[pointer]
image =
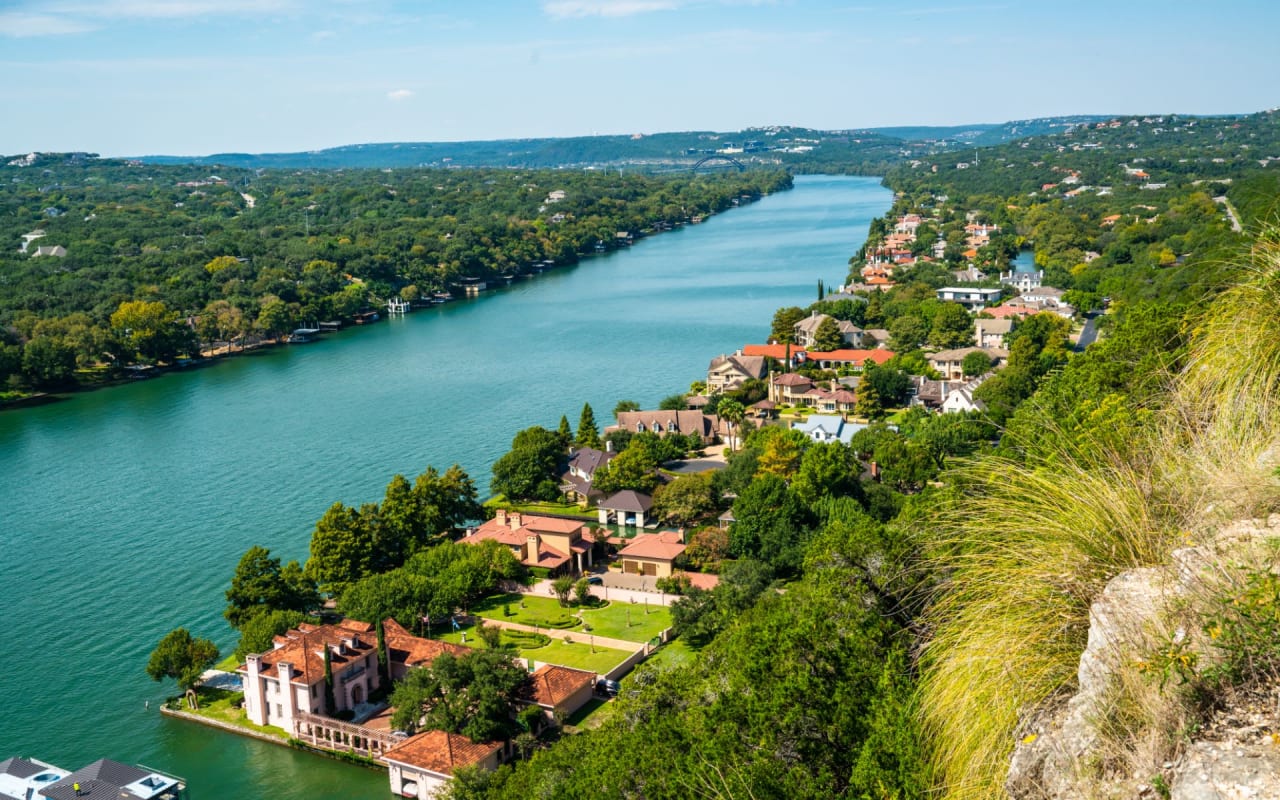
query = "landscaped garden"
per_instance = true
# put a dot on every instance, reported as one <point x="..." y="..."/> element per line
<point x="224" y="705"/>
<point x="632" y="622"/>
<point x="549" y="647"/>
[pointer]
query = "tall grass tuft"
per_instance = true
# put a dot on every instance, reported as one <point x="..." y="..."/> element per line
<point x="1033" y="545"/>
<point x="1026" y="554"/>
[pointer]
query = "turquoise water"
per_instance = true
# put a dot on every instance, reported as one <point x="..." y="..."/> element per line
<point x="123" y="512"/>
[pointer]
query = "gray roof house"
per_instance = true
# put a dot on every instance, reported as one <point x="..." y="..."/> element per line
<point x="808" y="327"/>
<point x="828" y="428"/>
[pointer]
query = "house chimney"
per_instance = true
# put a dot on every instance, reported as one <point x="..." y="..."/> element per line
<point x="513" y="520"/>
<point x="285" y="670"/>
<point x="531" y="547"/>
<point x="501" y="516"/>
<point x="608" y="445"/>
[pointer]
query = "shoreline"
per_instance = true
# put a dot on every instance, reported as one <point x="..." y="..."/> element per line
<point x="289" y="744"/>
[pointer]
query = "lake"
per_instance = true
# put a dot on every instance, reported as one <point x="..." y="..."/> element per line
<point x="125" y="510"/>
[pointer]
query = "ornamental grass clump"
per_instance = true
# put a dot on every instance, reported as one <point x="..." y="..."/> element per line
<point x="1024" y="554"/>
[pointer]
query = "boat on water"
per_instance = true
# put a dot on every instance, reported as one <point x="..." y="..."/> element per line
<point x="302" y="335"/>
<point x="104" y="779"/>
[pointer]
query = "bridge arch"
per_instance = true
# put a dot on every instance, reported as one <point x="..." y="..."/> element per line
<point x="726" y="159"/>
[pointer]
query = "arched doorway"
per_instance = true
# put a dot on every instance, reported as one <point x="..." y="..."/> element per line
<point x="357" y="694"/>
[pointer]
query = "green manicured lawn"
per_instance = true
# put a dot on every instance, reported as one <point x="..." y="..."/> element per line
<point x="578" y="655"/>
<point x="569" y="509"/>
<point x="228" y="664"/>
<point x="672" y="654"/>
<point x="612" y="620"/>
<point x="541" y="612"/>
<point x="220" y="704"/>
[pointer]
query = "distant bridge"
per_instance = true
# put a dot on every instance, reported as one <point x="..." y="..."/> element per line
<point x="726" y="159"/>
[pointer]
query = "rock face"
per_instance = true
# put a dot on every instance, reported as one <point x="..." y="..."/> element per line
<point x="1227" y="771"/>
<point x="1057" y="758"/>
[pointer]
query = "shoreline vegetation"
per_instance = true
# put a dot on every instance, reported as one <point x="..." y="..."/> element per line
<point x="126" y="269"/>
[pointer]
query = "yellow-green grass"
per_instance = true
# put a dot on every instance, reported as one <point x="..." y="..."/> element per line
<point x="228" y="664"/>
<point x="672" y="654"/>
<point x="1026" y="552"/>
<point x="592" y="714"/>
<point x="612" y="620"/>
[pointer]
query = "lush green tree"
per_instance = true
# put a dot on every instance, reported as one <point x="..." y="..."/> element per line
<point x="588" y="433"/>
<point x="780" y="451"/>
<point x="625" y="405"/>
<point x="827" y="336"/>
<point x="582" y="591"/>
<point x="686" y="500"/>
<point x="673" y="402"/>
<point x="259" y="631"/>
<point x="868" y="404"/>
<point x="907" y="332"/>
<point x="951" y="326"/>
<point x="182" y="657"/>
<point x="341" y="548"/>
<point x="562" y="586"/>
<point x="892" y="386"/>
<point x="826" y="470"/>
<point x="772" y="524"/>
<point x="975" y="364"/>
<point x="48" y="363"/>
<point x="151" y="330"/>
<point x="565" y="432"/>
<point x="473" y="695"/>
<point x="261" y="584"/>
<point x="783" y="330"/>
<point x="633" y="468"/>
<point x="400" y="594"/>
<point x="530" y="470"/>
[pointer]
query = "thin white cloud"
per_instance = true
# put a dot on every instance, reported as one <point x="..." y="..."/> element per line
<point x="399" y="94"/>
<point x="20" y="24"/>
<point x="575" y="9"/>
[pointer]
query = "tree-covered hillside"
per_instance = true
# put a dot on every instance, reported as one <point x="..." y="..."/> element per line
<point x="105" y="262"/>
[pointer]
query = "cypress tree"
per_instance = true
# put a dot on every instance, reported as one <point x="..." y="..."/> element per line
<point x="384" y="660"/>
<point x="588" y="433"/>
<point x="565" y="432"/>
<point x="331" y="705"/>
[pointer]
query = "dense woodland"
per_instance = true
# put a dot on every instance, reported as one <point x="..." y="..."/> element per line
<point x="163" y="261"/>
<point x="887" y="633"/>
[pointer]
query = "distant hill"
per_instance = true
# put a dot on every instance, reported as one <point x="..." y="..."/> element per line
<point x="867" y="151"/>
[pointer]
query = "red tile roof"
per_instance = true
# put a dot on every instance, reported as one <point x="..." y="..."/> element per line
<point x="778" y="351"/>
<point x="412" y="651"/>
<point x="552" y="685"/>
<point x="852" y="356"/>
<point x="440" y="752"/>
<point x="303" y="649"/>
<point x="656" y="546"/>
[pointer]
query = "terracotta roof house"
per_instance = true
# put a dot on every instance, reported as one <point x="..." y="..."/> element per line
<point x="421" y="765"/>
<point x="789" y="387"/>
<point x="992" y="332"/>
<point x="576" y="481"/>
<point x="1009" y="310"/>
<point x="559" y="691"/>
<point x="547" y="542"/>
<point x="663" y="422"/>
<point x="406" y="651"/>
<point x="847" y="358"/>
<point x="728" y="372"/>
<point x="288" y="680"/>
<point x="780" y="352"/>
<point x="806" y="329"/>
<point x="625" y="508"/>
<point x="652" y="554"/>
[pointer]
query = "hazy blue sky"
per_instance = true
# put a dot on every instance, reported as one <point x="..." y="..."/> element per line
<point x="192" y="77"/>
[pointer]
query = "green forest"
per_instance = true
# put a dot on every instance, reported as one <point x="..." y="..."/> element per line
<point x="108" y="264"/>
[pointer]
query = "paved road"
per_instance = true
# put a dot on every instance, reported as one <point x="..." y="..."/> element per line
<point x="1090" y="333"/>
<point x="1231" y="212"/>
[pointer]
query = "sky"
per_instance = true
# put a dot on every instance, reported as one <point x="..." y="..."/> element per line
<point x="196" y="77"/>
